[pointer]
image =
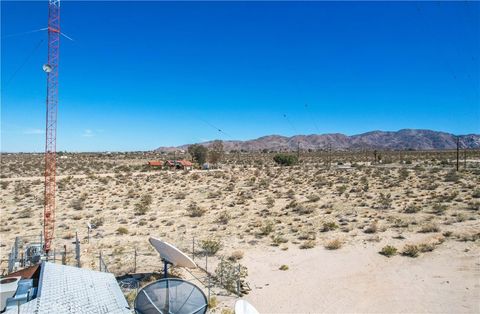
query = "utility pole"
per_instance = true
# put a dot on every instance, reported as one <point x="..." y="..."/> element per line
<point x="458" y="151"/>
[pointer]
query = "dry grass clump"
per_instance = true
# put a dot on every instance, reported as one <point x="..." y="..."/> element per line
<point x="283" y="267"/>
<point x="223" y="217"/>
<point x="476" y="193"/>
<point x="412" y="209"/>
<point x="411" y="250"/>
<point x="388" y="251"/>
<point x="329" y="226"/>
<point x="372" y="228"/>
<point x="334" y="244"/>
<point x="266" y="228"/>
<point x="430" y="227"/>
<point x="309" y="244"/>
<point x="193" y="210"/>
<point x="439" y="208"/>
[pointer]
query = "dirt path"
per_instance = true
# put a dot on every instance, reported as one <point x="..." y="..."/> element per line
<point x="108" y="174"/>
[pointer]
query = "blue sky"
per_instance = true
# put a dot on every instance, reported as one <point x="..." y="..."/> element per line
<point x="139" y="75"/>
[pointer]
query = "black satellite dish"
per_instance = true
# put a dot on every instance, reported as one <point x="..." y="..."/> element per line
<point x="171" y="296"/>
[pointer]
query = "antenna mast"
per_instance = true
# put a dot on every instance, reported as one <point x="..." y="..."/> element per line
<point x="51" y="68"/>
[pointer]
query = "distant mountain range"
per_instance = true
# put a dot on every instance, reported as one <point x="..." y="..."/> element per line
<point x="400" y="140"/>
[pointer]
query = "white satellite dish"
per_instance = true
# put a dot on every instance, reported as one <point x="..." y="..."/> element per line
<point x="243" y="307"/>
<point x="171" y="254"/>
<point x="47" y="68"/>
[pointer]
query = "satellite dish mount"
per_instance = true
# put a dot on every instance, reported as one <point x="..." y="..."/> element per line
<point x="165" y="267"/>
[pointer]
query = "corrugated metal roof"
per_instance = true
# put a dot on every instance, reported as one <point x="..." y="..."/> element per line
<point x="67" y="289"/>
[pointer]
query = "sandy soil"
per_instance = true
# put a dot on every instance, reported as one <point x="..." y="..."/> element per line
<point x="359" y="280"/>
<point x="265" y="216"/>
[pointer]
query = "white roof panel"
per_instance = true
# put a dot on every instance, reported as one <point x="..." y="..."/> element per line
<point x="67" y="289"/>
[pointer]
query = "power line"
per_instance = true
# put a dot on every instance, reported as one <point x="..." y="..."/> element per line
<point x="311" y="118"/>
<point x="215" y="127"/>
<point x="24" y="33"/>
<point x="24" y="62"/>
<point x="290" y="123"/>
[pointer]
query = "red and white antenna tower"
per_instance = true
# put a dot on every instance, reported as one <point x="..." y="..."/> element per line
<point x="51" y="68"/>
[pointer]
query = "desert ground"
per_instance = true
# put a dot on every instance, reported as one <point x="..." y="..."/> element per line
<point x="335" y="233"/>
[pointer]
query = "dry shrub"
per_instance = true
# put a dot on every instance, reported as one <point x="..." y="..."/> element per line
<point x="193" y="210"/>
<point x="411" y="250"/>
<point x="333" y="244"/>
<point x="310" y="244"/>
<point x="236" y="255"/>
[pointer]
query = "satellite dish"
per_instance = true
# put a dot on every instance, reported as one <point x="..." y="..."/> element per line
<point x="171" y="296"/>
<point x="171" y="254"/>
<point x="243" y="307"/>
<point x="47" y="68"/>
<point x="89" y="226"/>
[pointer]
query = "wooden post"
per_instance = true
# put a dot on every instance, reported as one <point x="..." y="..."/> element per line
<point x="135" y="262"/>
<point x="77" y="250"/>
<point x="238" y="280"/>
<point x="64" y="257"/>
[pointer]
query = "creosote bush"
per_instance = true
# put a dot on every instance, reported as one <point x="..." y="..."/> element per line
<point x="329" y="226"/>
<point x="210" y="246"/>
<point x="229" y="273"/>
<point x="285" y="159"/>
<point x="122" y="230"/>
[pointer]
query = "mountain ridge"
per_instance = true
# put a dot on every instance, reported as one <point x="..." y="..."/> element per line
<point x="404" y="139"/>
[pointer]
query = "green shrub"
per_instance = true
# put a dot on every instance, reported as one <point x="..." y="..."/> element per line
<point x="329" y="226"/>
<point x="229" y="274"/>
<point x="210" y="246"/>
<point x="285" y="159"/>
<point x="122" y="230"/>
<point x="283" y="267"/>
<point x="388" y="251"/>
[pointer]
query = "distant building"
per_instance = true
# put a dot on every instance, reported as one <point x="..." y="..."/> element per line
<point x="179" y="164"/>
<point x="155" y="163"/>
